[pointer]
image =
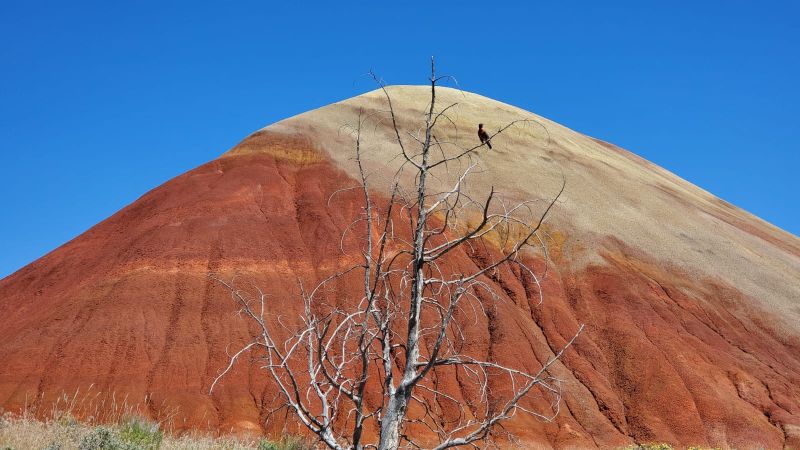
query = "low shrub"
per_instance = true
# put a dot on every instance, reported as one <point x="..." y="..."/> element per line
<point x="286" y="443"/>
<point x="101" y="438"/>
<point x="141" y="433"/>
<point x="133" y="434"/>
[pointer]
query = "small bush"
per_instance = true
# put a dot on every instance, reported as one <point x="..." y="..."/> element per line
<point x="286" y="443"/>
<point x="133" y="434"/>
<point x="101" y="438"/>
<point x="141" y="434"/>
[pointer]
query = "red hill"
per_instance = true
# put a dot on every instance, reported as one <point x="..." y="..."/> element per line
<point x="691" y="305"/>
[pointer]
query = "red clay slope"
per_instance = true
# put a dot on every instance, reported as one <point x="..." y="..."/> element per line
<point x="669" y="355"/>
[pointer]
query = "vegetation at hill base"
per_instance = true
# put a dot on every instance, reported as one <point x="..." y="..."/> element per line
<point x="130" y="433"/>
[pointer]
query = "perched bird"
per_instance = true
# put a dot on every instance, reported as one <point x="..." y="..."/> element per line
<point x="484" y="136"/>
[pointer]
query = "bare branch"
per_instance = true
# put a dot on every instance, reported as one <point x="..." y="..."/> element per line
<point x="407" y="327"/>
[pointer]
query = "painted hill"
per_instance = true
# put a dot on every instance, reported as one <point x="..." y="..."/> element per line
<point x="692" y="305"/>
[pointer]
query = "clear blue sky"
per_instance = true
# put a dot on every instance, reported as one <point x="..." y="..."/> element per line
<point x="101" y="102"/>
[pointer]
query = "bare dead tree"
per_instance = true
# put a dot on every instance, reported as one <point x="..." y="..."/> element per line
<point x="405" y="331"/>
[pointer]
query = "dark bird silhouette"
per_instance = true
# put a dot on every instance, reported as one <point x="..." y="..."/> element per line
<point x="484" y="136"/>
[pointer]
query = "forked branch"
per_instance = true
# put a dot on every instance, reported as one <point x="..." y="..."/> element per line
<point x="407" y="326"/>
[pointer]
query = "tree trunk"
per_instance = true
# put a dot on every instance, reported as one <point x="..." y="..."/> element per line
<point x="392" y="422"/>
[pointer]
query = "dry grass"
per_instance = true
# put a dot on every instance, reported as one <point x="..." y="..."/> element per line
<point x="55" y="427"/>
<point x="23" y="433"/>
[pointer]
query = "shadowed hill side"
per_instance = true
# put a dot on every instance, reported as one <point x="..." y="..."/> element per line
<point x="691" y="304"/>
